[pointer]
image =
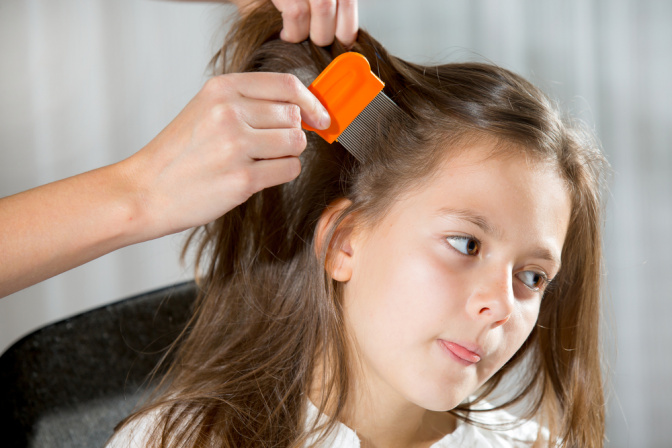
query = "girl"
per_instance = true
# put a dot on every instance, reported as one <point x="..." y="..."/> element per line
<point x="380" y="303"/>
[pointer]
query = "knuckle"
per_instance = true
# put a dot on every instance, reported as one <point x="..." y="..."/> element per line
<point x="224" y="113"/>
<point x="210" y="85"/>
<point x="244" y="182"/>
<point x="296" y="11"/>
<point x="297" y="141"/>
<point x="291" y="83"/>
<point x="323" y="7"/>
<point x="316" y="107"/>
<point x="294" y="114"/>
<point x="237" y="143"/>
<point x="216" y="84"/>
<point x="227" y="153"/>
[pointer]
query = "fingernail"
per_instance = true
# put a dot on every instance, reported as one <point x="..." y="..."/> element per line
<point x="325" y="120"/>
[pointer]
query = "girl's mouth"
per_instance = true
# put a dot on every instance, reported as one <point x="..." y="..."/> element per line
<point x="460" y="353"/>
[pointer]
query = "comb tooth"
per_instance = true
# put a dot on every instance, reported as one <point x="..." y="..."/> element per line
<point x="376" y="116"/>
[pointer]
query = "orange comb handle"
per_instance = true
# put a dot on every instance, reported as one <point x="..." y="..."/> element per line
<point x="344" y="88"/>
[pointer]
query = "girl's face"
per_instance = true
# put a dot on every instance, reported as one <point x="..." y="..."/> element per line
<point x="447" y="287"/>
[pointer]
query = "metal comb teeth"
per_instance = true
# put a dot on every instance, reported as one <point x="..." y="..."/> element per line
<point x="360" y="111"/>
<point x="373" y="121"/>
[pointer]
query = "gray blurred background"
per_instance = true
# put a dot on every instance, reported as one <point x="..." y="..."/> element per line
<point x="85" y="83"/>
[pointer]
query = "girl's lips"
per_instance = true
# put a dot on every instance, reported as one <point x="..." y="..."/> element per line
<point x="461" y="352"/>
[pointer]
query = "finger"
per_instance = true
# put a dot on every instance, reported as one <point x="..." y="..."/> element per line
<point x="322" y="21"/>
<point x="286" y="88"/>
<point x="261" y="114"/>
<point x="276" y="171"/>
<point x="276" y="143"/>
<point x="347" y="22"/>
<point x="295" y="19"/>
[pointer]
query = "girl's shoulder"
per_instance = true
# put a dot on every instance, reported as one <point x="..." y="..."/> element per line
<point x="132" y="435"/>
<point x="135" y="433"/>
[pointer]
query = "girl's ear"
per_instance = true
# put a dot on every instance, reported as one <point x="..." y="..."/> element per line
<point x="339" y="253"/>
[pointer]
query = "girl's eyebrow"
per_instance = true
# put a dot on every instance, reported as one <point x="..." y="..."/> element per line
<point x="487" y="227"/>
<point x="473" y="217"/>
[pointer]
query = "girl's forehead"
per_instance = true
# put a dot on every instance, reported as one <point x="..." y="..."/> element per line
<point x="511" y="189"/>
<point x="480" y="150"/>
<point x="485" y="165"/>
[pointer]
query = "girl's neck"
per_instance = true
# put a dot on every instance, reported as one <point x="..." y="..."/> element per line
<point x="382" y="421"/>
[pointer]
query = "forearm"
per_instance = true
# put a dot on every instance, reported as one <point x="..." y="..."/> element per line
<point x="58" y="226"/>
<point x="240" y="134"/>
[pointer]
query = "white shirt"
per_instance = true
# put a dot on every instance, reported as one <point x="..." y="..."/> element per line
<point x="464" y="436"/>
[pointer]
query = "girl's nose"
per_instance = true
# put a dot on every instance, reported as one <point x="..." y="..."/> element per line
<point x="492" y="299"/>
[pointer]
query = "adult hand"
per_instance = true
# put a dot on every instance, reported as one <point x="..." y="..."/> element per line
<point x="322" y="20"/>
<point x="241" y="133"/>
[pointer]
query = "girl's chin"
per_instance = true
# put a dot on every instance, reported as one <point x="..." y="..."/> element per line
<point x="439" y="403"/>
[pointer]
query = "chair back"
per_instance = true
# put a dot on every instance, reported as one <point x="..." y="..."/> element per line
<point x="70" y="383"/>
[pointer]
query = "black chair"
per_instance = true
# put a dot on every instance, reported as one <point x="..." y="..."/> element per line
<point x="70" y="383"/>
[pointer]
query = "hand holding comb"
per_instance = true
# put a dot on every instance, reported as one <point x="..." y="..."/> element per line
<point x="354" y="98"/>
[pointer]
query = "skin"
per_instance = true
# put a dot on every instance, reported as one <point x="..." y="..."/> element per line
<point x="406" y="287"/>
<point x="241" y="133"/>
<point x="321" y="20"/>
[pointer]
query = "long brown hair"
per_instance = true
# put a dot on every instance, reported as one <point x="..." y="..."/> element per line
<point x="268" y="310"/>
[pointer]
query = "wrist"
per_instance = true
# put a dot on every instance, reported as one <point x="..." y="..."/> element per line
<point x="135" y="221"/>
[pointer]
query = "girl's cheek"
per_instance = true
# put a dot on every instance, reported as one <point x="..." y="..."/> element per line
<point x="523" y="322"/>
<point x="532" y="316"/>
<point x="435" y="284"/>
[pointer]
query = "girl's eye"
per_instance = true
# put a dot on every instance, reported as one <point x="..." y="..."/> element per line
<point x="465" y="244"/>
<point x="533" y="280"/>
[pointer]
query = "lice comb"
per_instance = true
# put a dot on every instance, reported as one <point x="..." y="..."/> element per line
<point x="354" y="98"/>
